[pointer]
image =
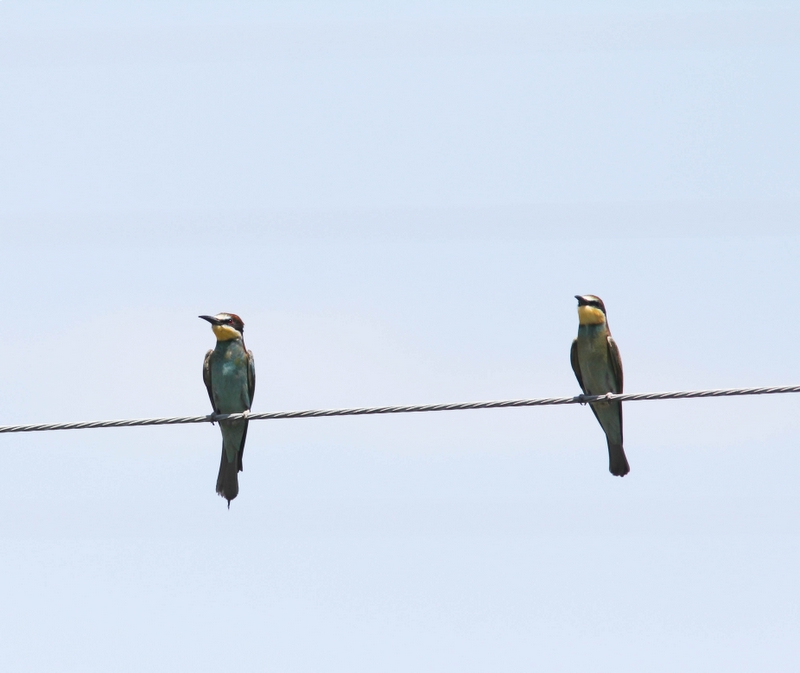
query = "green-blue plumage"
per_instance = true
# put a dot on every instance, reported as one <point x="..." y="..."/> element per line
<point x="598" y="368"/>
<point x="229" y="375"/>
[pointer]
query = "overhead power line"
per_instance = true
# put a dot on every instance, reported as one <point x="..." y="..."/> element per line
<point x="407" y="409"/>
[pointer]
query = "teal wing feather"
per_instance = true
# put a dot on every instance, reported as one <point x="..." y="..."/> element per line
<point x="251" y="390"/>
<point x="207" y="379"/>
<point x="576" y="366"/>
<point x="616" y="368"/>
<point x="616" y="363"/>
<point x="251" y="376"/>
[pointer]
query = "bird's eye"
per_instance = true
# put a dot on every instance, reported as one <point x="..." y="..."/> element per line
<point x="227" y="321"/>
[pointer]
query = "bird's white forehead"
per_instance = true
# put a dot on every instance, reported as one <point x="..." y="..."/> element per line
<point x="222" y="316"/>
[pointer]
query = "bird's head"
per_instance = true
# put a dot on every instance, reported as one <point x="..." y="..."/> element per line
<point x="226" y="326"/>
<point x="591" y="310"/>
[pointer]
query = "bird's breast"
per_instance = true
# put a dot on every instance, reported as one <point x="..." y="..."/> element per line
<point x="229" y="377"/>
<point x="230" y="368"/>
<point x="593" y="357"/>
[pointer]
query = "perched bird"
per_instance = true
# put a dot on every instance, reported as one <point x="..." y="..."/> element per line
<point x="230" y="377"/>
<point x="598" y="368"/>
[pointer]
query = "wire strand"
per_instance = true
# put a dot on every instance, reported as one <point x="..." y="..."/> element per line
<point x="407" y="409"/>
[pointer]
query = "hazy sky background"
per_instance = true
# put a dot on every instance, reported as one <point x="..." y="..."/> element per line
<point x="400" y="200"/>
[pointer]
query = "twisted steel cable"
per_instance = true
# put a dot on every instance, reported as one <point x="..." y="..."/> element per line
<point x="406" y="409"/>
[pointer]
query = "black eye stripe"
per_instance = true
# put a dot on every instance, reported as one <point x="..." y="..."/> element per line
<point x="595" y="303"/>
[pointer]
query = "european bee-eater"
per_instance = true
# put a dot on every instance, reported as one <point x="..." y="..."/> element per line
<point x="230" y="377"/>
<point x="598" y="368"/>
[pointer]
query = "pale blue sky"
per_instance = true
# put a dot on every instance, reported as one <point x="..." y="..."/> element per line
<point x="400" y="200"/>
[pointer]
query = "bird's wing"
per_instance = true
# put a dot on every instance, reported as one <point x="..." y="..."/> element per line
<point x="251" y="390"/>
<point x="616" y="363"/>
<point x="207" y="379"/>
<point x="251" y="375"/>
<point x="576" y="366"/>
<point x="616" y="368"/>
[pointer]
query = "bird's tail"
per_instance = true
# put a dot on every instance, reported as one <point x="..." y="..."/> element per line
<point x="233" y="435"/>
<point x="228" y="478"/>
<point x="617" y="462"/>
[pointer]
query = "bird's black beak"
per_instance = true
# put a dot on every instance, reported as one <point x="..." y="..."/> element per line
<point x="210" y="318"/>
<point x="581" y="301"/>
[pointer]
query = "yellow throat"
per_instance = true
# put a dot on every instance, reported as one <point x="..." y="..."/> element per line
<point x="589" y="315"/>
<point x="225" y="332"/>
